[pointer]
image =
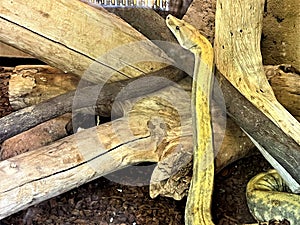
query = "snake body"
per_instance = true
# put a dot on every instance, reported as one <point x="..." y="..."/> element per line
<point x="198" y="206"/>
<point x="269" y="197"/>
<point x="266" y="193"/>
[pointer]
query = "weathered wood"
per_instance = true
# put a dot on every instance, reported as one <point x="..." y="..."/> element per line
<point x="29" y="117"/>
<point x="84" y="172"/>
<point x="145" y="133"/>
<point x="30" y="85"/>
<point x="145" y="20"/>
<point x="289" y="98"/>
<point x="8" y="51"/>
<point x="150" y="131"/>
<point x="238" y="58"/>
<point x="156" y="127"/>
<point x="284" y="149"/>
<point x="235" y="143"/>
<point x="79" y="39"/>
<point x="150" y="24"/>
<point x="41" y="135"/>
<point x="285" y="82"/>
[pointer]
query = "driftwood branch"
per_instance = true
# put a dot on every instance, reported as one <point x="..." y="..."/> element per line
<point x="284" y="80"/>
<point x="241" y="24"/>
<point x="282" y="147"/>
<point x="238" y="58"/>
<point x="53" y="108"/>
<point x="79" y="39"/>
<point x="148" y="22"/>
<point x="146" y="134"/>
<point x="29" y="117"/>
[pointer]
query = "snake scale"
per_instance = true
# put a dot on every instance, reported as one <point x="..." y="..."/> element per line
<point x="267" y="192"/>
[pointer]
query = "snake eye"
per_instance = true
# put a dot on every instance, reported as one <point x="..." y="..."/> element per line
<point x="177" y="28"/>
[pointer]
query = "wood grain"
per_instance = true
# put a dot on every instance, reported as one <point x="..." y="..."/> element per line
<point x="238" y="58"/>
<point x="79" y="39"/>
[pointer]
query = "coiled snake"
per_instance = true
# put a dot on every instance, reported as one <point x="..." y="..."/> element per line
<point x="264" y="196"/>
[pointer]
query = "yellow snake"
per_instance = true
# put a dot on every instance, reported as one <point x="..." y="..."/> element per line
<point x="198" y="207"/>
<point x="264" y="192"/>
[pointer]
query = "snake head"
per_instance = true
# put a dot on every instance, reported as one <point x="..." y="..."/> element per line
<point x="189" y="37"/>
<point x="185" y="33"/>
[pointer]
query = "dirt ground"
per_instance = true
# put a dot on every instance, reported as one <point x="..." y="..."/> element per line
<point x="105" y="202"/>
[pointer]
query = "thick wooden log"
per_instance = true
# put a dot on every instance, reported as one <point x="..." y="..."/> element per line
<point x="155" y="128"/>
<point x="85" y="173"/>
<point x="79" y="39"/>
<point x="235" y="144"/>
<point x="150" y="24"/>
<point x="145" y="20"/>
